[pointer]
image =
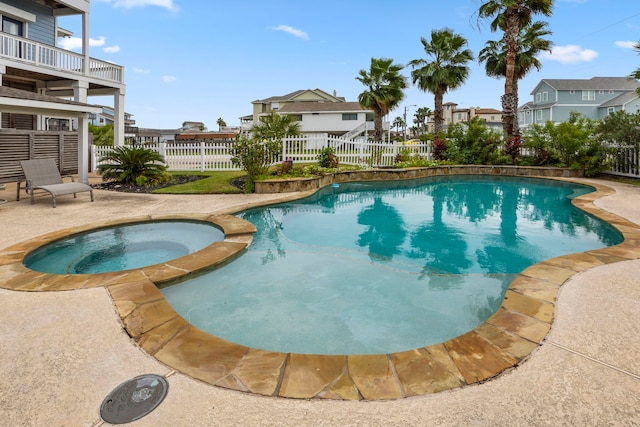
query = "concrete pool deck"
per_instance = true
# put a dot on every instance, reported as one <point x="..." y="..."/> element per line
<point x="63" y="352"/>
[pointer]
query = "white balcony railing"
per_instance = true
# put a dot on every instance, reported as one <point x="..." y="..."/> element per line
<point x="53" y="58"/>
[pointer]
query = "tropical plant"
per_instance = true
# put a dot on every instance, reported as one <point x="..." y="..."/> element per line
<point x="510" y="16"/>
<point x="134" y="165"/>
<point x="445" y="69"/>
<point x="274" y="127"/>
<point x="102" y="135"/>
<point x="385" y="86"/>
<point x="221" y="123"/>
<point x="254" y="156"/>
<point x="531" y="42"/>
<point x="421" y="115"/>
<point x="398" y="123"/>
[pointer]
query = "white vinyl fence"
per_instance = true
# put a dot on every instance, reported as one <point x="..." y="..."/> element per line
<point x="216" y="156"/>
<point x="207" y="156"/>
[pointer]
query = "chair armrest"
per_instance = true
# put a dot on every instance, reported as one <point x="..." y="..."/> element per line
<point x="69" y="176"/>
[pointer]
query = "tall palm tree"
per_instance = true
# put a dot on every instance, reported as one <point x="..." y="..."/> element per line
<point x="221" y="123"/>
<point x="446" y="69"/>
<point x="636" y="73"/>
<point x="385" y="86"/>
<point x="531" y="42"/>
<point x="421" y="115"/>
<point x="398" y="123"/>
<point x="510" y="16"/>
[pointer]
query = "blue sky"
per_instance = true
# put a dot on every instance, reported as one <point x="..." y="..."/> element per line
<point x="189" y="60"/>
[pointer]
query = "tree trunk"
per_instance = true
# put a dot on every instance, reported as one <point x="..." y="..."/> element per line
<point x="438" y="118"/>
<point x="377" y="124"/>
<point x="510" y="99"/>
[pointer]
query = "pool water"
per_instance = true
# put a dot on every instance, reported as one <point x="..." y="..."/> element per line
<point x="383" y="267"/>
<point x="123" y="247"/>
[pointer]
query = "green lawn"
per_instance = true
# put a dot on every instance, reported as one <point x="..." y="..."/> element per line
<point x="214" y="183"/>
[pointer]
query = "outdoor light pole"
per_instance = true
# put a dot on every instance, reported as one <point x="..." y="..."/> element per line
<point x="405" y="119"/>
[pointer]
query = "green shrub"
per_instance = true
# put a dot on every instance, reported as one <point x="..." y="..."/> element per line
<point x="254" y="156"/>
<point x="327" y="159"/>
<point x="473" y="143"/>
<point x="131" y="165"/>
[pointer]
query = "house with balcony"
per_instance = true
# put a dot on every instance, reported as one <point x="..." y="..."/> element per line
<point x="453" y="115"/>
<point x="44" y="86"/>
<point x="317" y="112"/>
<point x="555" y="99"/>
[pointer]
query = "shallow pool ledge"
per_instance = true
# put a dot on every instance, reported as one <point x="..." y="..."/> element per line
<point x="504" y="341"/>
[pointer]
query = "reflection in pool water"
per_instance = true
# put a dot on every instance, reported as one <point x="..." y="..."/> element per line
<point x="385" y="267"/>
<point x="123" y="247"/>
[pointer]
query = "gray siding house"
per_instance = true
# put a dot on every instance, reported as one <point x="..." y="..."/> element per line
<point x="555" y="99"/>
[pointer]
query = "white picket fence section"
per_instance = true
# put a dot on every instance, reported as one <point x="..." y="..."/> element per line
<point x="216" y="156"/>
<point x="207" y="156"/>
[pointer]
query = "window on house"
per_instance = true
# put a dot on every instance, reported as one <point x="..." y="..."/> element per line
<point x="275" y="105"/>
<point x="12" y="26"/>
<point x="545" y="96"/>
<point x="538" y="97"/>
<point x="588" y="95"/>
<point x="571" y="92"/>
<point x="611" y="92"/>
<point x="538" y="115"/>
<point x="349" y="116"/>
<point x="601" y="92"/>
<point x="611" y="110"/>
<point x="298" y="117"/>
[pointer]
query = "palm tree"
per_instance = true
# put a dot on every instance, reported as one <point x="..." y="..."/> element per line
<point x="398" y="123"/>
<point x="446" y="69"/>
<point x="530" y="43"/>
<point x="510" y="16"/>
<point x="636" y="73"/>
<point x="221" y="123"/>
<point x="274" y="127"/>
<point x="421" y="115"/>
<point x="384" y="91"/>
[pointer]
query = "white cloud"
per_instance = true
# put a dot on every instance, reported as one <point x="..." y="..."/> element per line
<point x="293" y="31"/>
<point x="141" y="70"/>
<point x="129" y="4"/>
<point x="168" y="79"/>
<point x="112" y="49"/>
<point x="570" y="54"/>
<point x="626" y="44"/>
<point x="75" y="43"/>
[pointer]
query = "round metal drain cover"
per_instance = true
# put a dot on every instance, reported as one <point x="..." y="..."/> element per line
<point x="134" y="399"/>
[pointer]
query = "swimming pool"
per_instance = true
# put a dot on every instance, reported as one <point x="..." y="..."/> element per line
<point x="123" y="247"/>
<point x="383" y="267"/>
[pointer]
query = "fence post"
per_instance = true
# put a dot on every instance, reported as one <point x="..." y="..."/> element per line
<point x="202" y="156"/>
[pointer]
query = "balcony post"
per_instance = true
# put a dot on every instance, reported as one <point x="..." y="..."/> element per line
<point x="118" y="118"/>
<point x="85" y="43"/>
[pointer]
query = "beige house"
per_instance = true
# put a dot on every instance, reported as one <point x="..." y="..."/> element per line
<point x="317" y="112"/>
<point x="453" y="115"/>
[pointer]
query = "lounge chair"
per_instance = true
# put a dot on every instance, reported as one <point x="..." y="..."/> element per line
<point x="43" y="174"/>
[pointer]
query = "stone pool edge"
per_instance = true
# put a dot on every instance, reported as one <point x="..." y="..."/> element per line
<point x="505" y="340"/>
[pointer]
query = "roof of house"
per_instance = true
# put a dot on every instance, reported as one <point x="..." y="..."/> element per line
<point x="293" y="95"/>
<point x="594" y="83"/>
<point x="620" y="99"/>
<point x="312" y="107"/>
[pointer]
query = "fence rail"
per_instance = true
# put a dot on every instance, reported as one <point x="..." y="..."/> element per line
<point x="216" y="156"/>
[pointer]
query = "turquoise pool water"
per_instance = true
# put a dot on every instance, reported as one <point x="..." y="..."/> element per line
<point x="384" y="267"/>
<point x="123" y="247"/>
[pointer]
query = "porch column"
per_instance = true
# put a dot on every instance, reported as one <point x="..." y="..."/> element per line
<point x="85" y="44"/>
<point x="118" y="113"/>
<point x="83" y="148"/>
<point x="3" y="71"/>
<point x="80" y="95"/>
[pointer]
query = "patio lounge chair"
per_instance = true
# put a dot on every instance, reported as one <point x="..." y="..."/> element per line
<point x="43" y="174"/>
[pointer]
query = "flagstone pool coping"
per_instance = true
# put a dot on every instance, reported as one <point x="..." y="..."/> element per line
<point x="503" y="342"/>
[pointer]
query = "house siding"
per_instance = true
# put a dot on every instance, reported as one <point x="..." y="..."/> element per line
<point x="41" y="31"/>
